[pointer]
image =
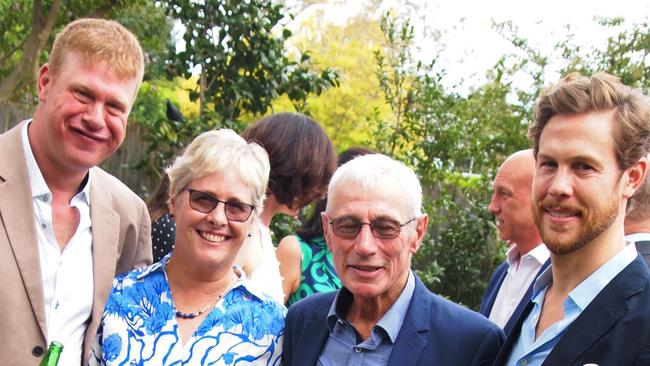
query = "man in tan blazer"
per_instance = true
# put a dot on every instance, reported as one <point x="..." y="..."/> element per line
<point x="67" y="227"/>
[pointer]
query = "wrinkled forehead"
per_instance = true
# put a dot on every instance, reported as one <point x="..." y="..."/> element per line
<point x="368" y="202"/>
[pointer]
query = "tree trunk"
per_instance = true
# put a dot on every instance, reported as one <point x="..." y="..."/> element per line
<point x="25" y="71"/>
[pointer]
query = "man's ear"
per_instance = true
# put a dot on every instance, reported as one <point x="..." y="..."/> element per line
<point x="325" y="221"/>
<point x="635" y="174"/>
<point x="44" y="81"/>
<point x="421" y="230"/>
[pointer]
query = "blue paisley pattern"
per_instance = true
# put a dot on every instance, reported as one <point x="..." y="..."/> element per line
<point x="139" y="326"/>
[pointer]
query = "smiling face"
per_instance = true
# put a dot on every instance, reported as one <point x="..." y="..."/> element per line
<point x="82" y="115"/>
<point x="578" y="188"/>
<point x="372" y="268"/>
<point x="209" y="240"/>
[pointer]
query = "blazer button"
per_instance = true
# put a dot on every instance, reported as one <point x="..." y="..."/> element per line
<point x="37" y="351"/>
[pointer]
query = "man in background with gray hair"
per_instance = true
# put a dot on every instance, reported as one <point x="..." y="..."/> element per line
<point x="383" y="315"/>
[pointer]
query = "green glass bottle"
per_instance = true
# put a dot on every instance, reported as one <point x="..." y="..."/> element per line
<point x="52" y="355"/>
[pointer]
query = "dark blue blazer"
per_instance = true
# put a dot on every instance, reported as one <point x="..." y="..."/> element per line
<point x="435" y="332"/>
<point x="613" y="330"/>
<point x="643" y="247"/>
<point x="493" y="289"/>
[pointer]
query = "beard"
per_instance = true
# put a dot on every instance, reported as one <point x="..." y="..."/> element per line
<point x="556" y="237"/>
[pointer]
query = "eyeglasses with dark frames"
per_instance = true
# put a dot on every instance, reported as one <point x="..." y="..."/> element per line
<point x="205" y="203"/>
<point x="382" y="228"/>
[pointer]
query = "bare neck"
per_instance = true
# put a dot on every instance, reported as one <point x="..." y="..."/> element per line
<point x="525" y="245"/>
<point x="569" y="270"/>
<point x="637" y="226"/>
<point x="62" y="182"/>
<point x="271" y="208"/>
<point x="191" y="281"/>
<point x="365" y="313"/>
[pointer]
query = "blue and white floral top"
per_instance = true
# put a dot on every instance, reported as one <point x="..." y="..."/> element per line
<point x="139" y="326"/>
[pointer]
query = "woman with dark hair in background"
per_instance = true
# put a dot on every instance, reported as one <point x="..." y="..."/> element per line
<point x="302" y="161"/>
<point x="305" y="262"/>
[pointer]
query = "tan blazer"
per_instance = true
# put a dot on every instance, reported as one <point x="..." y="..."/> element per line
<point x="121" y="241"/>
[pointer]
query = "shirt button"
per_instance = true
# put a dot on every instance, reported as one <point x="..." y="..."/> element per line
<point x="44" y="226"/>
<point x="524" y="362"/>
<point x="357" y="349"/>
<point x="37" y="351"/>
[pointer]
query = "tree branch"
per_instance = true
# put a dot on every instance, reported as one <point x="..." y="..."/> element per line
<point x="42" y="26"/>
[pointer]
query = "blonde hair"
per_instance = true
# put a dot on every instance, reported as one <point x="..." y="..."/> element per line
<point x="99" y="41"/>
<point x="602" y="92"/>
<point x="217" y="151"/>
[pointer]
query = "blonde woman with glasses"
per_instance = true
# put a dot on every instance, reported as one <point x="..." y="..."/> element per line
<point x="193" y="307"/>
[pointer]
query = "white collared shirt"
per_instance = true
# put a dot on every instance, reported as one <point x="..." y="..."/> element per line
<point x="638" y="237"/>
<point x="521" y="274"/>
<point x="67" y="276"/>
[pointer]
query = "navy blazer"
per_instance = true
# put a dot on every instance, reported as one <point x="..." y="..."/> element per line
<point x="614" y="329"/>
<point x="435" y="332"/>
<point x="643" y="247"/>
<point x="493" y="289"/>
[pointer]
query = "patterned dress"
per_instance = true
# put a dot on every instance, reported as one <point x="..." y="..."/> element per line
<point x="318" y="273"/>
<point x="163" y="236"/>
<point x="139" y="326"/>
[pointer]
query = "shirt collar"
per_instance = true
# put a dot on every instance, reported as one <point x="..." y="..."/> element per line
<point x="588" y="289"/>
<point x="37" y="183"/>
<point x="540" y="254"/>
<point x="638" y="237"/>
<point x="36" y="180"/>
<point x="391" y="322"/>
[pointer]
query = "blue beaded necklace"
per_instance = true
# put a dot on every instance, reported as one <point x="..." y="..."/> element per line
<point x="180" y="314"/>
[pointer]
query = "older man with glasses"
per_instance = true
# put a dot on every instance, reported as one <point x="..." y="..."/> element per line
<point x="383" y="315"/>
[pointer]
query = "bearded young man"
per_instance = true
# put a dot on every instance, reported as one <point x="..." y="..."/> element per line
<point x="590" y="138"/>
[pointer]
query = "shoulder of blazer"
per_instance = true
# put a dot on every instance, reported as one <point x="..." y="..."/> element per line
<point x="115" y="193"/>
<point x="11" y="144"/>
<point x="619" y="311"/>
<point x="313" y="306"/>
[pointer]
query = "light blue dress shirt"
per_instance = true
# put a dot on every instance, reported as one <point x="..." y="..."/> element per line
<point x="344" y="346"/>
<point x="528" y="351"/>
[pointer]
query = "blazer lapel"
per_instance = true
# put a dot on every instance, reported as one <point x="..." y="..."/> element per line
<point x="312" y="340"/>
<point x="408" y="346"/>
<point x="511" y="338"/>
<point x="643" y="248"/>
<point x="17" y="213"/>
<point x="105" y="232"/>
<point x="524" y="300"/>
<point x="410" y="342"/>
<point x="600" y="315"/>
<point x="493" y="289"/>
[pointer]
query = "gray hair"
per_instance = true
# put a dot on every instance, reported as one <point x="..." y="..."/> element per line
<point x="375" y="171"/>
<point x="219" y="150"/>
